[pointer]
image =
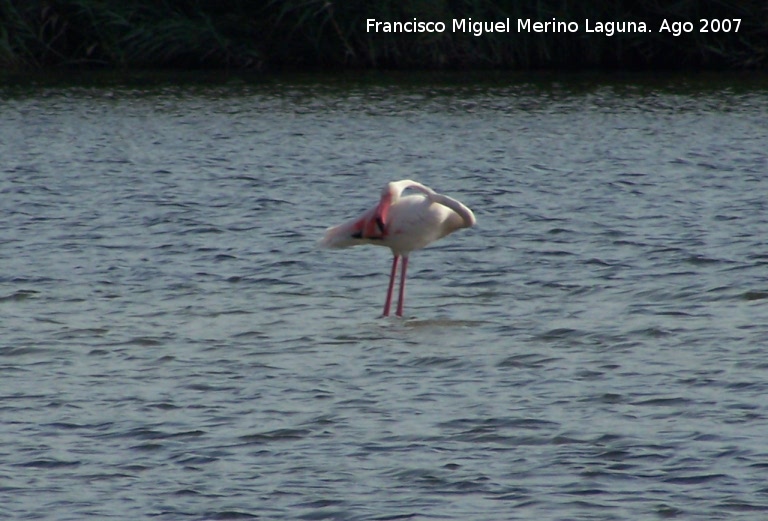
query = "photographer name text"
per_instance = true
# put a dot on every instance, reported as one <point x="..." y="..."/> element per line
<point x="526" y="25"/>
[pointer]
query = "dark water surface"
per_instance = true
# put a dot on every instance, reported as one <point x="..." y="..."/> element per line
<point x="174" y="347"/>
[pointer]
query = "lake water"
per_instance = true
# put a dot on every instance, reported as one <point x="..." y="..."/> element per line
<point x="175" y="347"/>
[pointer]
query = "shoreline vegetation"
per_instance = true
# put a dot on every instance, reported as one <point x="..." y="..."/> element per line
<point x="273" y="35"/>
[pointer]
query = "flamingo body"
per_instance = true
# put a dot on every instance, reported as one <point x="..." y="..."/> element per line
<point x="402" y="224"/>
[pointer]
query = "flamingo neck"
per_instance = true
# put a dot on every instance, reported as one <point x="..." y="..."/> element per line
<point x="465" y="213"/>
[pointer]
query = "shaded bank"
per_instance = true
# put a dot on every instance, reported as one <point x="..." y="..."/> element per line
<point x="321" y="34"/>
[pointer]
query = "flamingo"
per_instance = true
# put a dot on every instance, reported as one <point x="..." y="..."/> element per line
<point x="402" y="224"/>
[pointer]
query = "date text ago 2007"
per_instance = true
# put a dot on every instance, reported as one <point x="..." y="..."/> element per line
<point x="705" y="25"/>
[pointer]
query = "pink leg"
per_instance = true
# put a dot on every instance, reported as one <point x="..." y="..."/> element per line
<point x="401" y="296"/>
<point x="391" y="286"/>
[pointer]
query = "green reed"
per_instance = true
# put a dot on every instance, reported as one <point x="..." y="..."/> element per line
<point x="273" y="34"/>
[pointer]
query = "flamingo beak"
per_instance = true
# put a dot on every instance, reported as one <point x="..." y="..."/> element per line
<point x="373" y="225"/>
<point x="377" y="226"/>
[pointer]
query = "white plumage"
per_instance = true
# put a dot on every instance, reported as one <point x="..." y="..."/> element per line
<point x="403" y="224"/>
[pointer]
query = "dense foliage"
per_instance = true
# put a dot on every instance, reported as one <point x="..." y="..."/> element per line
<point x="272" y="34"/>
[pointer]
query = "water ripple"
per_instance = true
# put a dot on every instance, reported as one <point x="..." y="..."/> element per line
<point x="174" y="347"/>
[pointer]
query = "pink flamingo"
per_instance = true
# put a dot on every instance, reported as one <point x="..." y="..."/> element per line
<point x="402" y="224"/>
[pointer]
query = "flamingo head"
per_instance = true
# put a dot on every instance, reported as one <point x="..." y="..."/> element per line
<point x="373" y="223"/>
